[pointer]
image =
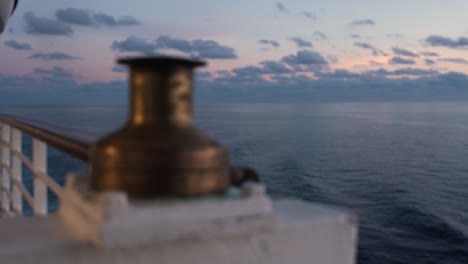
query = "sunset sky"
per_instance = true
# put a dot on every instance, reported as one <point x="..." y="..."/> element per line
<point x="51" y="44"/>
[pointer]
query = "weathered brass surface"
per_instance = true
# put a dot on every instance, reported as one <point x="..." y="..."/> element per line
<point x="159" y="152"/>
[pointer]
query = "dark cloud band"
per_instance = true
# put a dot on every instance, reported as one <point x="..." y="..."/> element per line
<point x="400" y="60"/>
<point x="273" y="43"/>
<point x="83" y="17"/>
<point x="404" y="52"/>
<point x="17" y="45"/>
<point x="364" y="45"/>
<point x="363" y="22"/>
<point x="301" y="43"/>
<point x="440" y="41"/>
<point x="198" y="48"/>
<point x="53" y="56"/>
<point x="45" y="26"/>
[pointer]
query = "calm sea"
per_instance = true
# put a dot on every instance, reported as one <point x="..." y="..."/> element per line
<point x="402" y="167"/>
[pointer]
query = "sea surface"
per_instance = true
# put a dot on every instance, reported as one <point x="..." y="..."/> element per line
<point x="402" y="167"/>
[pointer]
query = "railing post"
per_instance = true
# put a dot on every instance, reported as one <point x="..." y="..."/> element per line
<point x="40" y="188"/>
<point x="17" y="171"/>
<point x="1" y="174"/>
<point x="6" y="182"/>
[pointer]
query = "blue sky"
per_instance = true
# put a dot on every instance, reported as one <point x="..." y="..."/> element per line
<point x="406" y="50"/>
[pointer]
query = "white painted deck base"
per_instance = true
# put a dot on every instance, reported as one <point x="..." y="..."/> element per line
<point x="299" y="233"/>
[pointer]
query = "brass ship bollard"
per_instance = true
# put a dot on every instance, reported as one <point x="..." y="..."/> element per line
<point x="159" y="152"/>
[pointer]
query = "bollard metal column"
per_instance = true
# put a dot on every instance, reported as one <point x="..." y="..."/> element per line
<point x="159" y="152"/>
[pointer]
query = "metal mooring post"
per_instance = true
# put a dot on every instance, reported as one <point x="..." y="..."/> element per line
<point x="159" y="152"/>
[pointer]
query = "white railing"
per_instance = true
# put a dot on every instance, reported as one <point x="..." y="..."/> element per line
<point x="13" y="191"/>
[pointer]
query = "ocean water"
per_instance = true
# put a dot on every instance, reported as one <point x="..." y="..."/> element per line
<point x="402" y="167"/>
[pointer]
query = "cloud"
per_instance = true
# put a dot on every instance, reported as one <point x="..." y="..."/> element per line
<point x="166" y="42"/>
<point x="248" y="71"/>
<point x="53" y="56"/>
<point x="44" y="88"/>
<point x="199" y="48"/>
<point x="33" y="86"/>
<point x="452" y="79"/>
<point x="290" y="80"/>
<point x="383" y="73"/>
<point x="345" y="87"/>
<point x="223" y="72"/>
<point x="376" y="74"/>
<point x="375" y="63"/>
<point x="404" y="52"/>
<point x="110" y="21"/>
<point x="273" y="43"/>
<point x="134" y="44"/>
<point x="413" y="71"/>
<point x="249" y="75"/>
<point x="74" y="16"/>
<point x="429" y="61"/>
<point x="45" y="26"/>
<point x="301" y="43"/>
<point x="203" y="74"/>
<point x="209" y="49"/>
<point x="55" y="72"/>
<point x="395" y="36"/>
<point x="281" y="7"/>
<point x="310" y="15"/>
<point x="274" y="67"/>
<point x="105" y="20"/>
<point x="400" y="60"/>
<point x="332" y="58"/>
<point x="355" y="36"/>
<point x="454" y="60"/>
<point x="340" y="74"/>
<point x="363" y="22"/>
<point x="249" y="84"/>
<point x="254" y="74"/>
<point x="368" y="46"/>
<point x="429" y="54"/>
<point x="440" y="41"/>
<point x="304" y="57"/>
<point x="83" y="17"/>
<point x="127" y="21"/>
<point x="119" y="69"/>
<point x="17" y="45"/>
<point x="319" y="35"/>
<point x="407" y="84"/>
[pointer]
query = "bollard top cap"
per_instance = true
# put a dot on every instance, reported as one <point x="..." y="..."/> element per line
<point x="157" y="62"/>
